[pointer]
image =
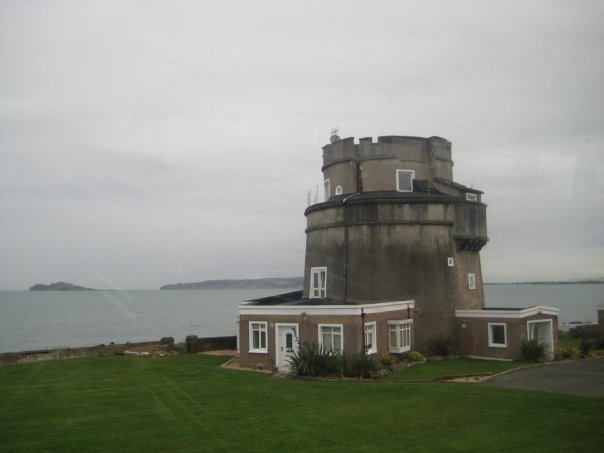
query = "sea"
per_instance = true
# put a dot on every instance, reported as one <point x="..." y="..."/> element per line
<point x="31" y="320"/>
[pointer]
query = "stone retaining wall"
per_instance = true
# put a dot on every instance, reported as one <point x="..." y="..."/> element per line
<point x="195" y="344"/>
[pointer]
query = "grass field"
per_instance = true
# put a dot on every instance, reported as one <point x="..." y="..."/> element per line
<point x="187" y="403"/>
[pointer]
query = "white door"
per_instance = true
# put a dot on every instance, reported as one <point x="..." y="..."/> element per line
<point x="287" y="341"/>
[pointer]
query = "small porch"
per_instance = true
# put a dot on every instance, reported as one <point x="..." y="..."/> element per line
<point x="498" y="333"/>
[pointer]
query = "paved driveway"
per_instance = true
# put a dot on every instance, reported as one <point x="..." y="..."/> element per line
<point x="585" y="378"/>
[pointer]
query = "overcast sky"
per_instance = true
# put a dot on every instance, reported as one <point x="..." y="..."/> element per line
<point x="152" y="142"/>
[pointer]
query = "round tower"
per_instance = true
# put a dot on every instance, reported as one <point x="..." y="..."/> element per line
<point x="394" y="226"/>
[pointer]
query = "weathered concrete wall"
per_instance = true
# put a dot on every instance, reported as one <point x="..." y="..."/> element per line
<point x="378" y="162"/>
<point x="376" y="251"/>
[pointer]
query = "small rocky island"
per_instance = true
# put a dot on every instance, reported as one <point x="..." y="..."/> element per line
<point x="258" y="283"/>
<point x="59" y="286"/>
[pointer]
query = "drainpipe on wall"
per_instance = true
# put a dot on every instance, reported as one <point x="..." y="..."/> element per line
<point x="346" y="245"/>
<point x="363" y="329"/>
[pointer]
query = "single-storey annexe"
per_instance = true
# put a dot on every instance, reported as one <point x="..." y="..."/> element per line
<point x="271" y="328"/>
<point x="499" y="332"/>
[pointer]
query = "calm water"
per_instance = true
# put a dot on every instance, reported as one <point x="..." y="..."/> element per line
<point x="37" y="320"/>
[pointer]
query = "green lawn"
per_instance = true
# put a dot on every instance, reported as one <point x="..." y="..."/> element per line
<point x="187" y="403"/>
<point x="434" y="369"/>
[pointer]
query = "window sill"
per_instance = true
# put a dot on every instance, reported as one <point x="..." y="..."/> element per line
<point x="501" y="346"/>
<point x="258" y="351"/>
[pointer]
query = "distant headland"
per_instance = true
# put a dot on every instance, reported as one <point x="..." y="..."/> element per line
<point x="59" y="286"/>
<point x="258" y="283"/>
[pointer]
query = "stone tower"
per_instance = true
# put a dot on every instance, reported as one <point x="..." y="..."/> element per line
<point x="393" y="227"/>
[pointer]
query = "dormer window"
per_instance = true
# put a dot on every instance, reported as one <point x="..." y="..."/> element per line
<point x="404" y="180"/>
<point x="338" y="190"/>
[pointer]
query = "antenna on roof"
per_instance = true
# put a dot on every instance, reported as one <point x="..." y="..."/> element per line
<point x="334" y="135"/>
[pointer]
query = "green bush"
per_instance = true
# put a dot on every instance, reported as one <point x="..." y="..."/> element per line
<point x="309" y="360"/>
<point x="586" y="347"/>
<point x="387" y="359"/>
<point x="568" y="353"/>
<point x="414" y="356"/>
<point x="363" y="365"/>
<point x="441" y="345"/>
<point x="533" y="350"/>
<point x="314" y="360"/>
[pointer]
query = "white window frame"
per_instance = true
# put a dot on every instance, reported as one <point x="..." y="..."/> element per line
<point x="409" y="172"/>
<point x="402" y="329"/>
<point x="450" y="262"/>
<point x="262" y="328"/>
<point x="340" y="334"/>
<point x="338" y="190"/>
<point x="326" y="189"/>
<point x="472" y="281"/>
<point x="471" y="197"/>
<point x="505" y="335"/>
<point x="371" y="329"/>
<point x="319" y="292"/>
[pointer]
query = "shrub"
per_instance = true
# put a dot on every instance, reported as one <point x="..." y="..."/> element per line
<point x="414" y="356"/>
<point x="388" y="359"/>
<point x="313" y="360"/>
<point x="533" y="350"/>
<point x="335" y="364"/>
<point x="569" y="353"/>
<point x="309" y="360"/>
<point x="363" y="365"/>
<point x="441" y="345"/>
<point x="586" y="347"/>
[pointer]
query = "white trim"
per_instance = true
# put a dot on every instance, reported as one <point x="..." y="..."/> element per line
<point x="338" y="190"/>
<point x="321" y="290"/>
<point x="251" y="338"/>
<point x="320" y="334"/>
<point x="450" y="262"/>
<point x="400" y="323"/>
<point x="505" y="335"/>
<point x="399" y="171"/>
<point x="472" y="281"/>
<point x="373" y="325"/>
<point x="471" y="197"/>
<point x="507" y="314"/>
<point x="248" y="308"/>
<point x="277" y="345"/>
<point x="326" y="189"/>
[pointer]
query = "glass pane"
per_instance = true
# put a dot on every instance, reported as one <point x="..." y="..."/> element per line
<point x="498" y="334"/>
<point x="289" y="341"/>
<point x="255" y="339"/>
<point x="327" y="341"/>
<point x="393" y="343"/>
<point x="337" y="342"/>
<point x="262" y="339"/>
<point x="404" y="181"/>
